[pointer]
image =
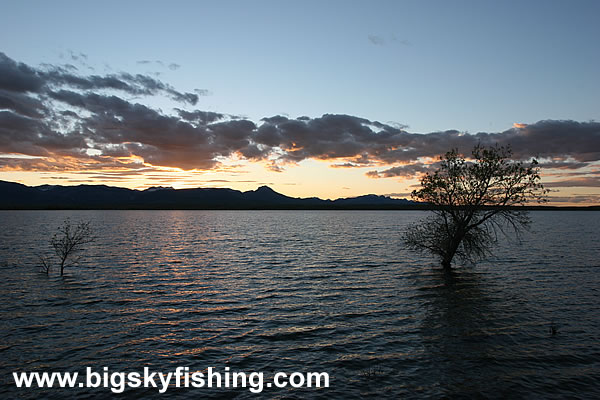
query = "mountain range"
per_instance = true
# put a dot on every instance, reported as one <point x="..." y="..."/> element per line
<point x="18" y="196"/>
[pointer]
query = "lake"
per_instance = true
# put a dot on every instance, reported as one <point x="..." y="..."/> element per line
<point x="331" y="291"/>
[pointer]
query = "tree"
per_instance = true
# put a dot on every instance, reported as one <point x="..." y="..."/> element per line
<point x="68" y="241"/>
<point x="473" y="200"/>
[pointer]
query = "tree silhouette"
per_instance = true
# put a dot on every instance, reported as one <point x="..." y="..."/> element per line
<point x="68" y="241"/>
<point x="473" y="200"/>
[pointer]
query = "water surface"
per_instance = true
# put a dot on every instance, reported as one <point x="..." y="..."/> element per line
<point x="330" y="291"/>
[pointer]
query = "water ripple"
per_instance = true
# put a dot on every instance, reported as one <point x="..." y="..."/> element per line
<point x="305" y="291"/>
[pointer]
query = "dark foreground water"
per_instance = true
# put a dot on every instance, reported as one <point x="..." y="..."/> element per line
<point x="304" y="291"/>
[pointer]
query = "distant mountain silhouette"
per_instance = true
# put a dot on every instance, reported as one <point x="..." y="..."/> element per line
<point x="18" y="196"/>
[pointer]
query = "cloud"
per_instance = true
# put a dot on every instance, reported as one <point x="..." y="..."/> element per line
<point x="577" y="199"/>
<point x="403" y="171"/>
<point x="379" y="40"/>
<point x="347" y="165"/>
<point x="568" y="144"/>
<point x="564" y="165"/>
<point x="172" y="66"/>
<point x="553" y="139"/>
<point x="399" y="195"/>
<point x="200" y="117"/>
<point x="77" y="56"/>
<point x="22" y="104"/>
<point x="583" y="181"/>
<point x="20" y="78"/>
<point x="64" y="118"/>
<point x="23" y="135"/>
<point x="376" y="40"/>
<point x="332" y="136"/>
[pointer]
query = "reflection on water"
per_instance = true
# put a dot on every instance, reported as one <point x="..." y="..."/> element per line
<point x="458" y="333"/>
<point x="304" y="291"/>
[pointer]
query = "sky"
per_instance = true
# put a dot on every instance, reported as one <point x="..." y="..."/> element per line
<point x="329" y="99"/>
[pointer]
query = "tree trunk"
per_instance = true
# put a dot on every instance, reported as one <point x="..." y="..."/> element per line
<point x="452" y="248"/>
<point x="62" y="267"/>
<point x="447" y="262"/>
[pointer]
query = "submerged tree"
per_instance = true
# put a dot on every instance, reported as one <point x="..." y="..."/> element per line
<point x="67" y="243"/>
<point x="472" y="202"/>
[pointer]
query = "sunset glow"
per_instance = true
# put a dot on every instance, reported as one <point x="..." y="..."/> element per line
<point x="83" y="114"/>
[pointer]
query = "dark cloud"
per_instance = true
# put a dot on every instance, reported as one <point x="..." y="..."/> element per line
<point x="568" y="144"/>
<point x="328" y="137"/>
<point x="200" y="117"/>
<point x="18" y="77"/>
<point x="23" y="135"/>
<point x="64" y="117"/>
<point x="191" y="140"/>
<point x="22" y="104"/>
<point x="553" y="139"/>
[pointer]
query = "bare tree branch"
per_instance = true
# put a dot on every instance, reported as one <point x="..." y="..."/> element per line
<point x="68" y="242"/>
<point x="474" y="200"/>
